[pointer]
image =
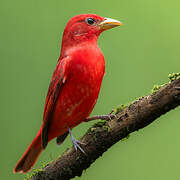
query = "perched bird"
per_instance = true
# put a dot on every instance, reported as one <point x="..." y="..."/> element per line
<point x="74" y="86"/>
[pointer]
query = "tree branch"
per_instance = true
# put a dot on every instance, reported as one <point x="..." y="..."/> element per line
<point x="104" y="134"/>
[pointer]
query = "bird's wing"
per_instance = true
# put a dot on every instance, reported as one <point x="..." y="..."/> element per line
<point x="57" y="82"/>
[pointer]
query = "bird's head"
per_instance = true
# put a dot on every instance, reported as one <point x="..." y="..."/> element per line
<point x="85" y="27"/>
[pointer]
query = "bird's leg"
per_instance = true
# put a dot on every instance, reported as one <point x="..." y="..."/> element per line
<point x="102" y="117"/>
<point x="76" y="142"/>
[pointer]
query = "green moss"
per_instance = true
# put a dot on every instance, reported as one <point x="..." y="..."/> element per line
<point x="107" y="128"/>
<point x="119" y="108"/>
<point x="95" y="137"/>
<point x="84" y="171"/>
<point x="173" y="76"/>
<point x="156" y="88"/>
<point x="33" y="173"/>
<point x="97" y="127"/>
<point x="102" y="123"/>
<point x="127" y="137"/>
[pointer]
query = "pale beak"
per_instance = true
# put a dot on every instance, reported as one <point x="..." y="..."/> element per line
<point x="109" y="23"/>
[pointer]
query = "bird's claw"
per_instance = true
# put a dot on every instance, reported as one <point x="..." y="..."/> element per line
<point x="76" y="143"/>
<point x="114" y="116"/>
<point x="109" y="117"/>
<point x="77" y="146"/>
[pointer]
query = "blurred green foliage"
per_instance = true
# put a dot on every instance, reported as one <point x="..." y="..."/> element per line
<point x="138" y="55"/>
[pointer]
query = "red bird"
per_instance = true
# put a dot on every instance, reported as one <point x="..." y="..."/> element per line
<point x="74" y="87"/>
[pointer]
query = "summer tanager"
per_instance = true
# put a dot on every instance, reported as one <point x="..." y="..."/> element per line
<point x="74" y="87"/>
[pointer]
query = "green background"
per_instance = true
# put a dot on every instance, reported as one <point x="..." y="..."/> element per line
<point x="138" y="55"/>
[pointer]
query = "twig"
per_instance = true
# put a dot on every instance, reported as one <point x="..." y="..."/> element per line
<point x="104" y="134"/>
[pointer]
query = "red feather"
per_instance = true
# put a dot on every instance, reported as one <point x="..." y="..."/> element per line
<point x="74" y="87"/>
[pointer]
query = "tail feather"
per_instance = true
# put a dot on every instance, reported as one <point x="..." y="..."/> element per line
<point x="30" y="156"/>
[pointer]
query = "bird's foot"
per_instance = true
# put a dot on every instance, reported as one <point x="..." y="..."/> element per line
<point x="76" y="143"/>
<point x="102" y="117"/>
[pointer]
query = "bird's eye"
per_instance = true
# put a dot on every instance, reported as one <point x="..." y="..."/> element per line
<point x="90" y="21"/>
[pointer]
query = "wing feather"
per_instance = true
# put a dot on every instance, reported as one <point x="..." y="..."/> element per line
<point x="55" y="89"/>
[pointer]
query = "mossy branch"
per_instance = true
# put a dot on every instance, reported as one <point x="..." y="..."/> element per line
<point x="104" y="134"/>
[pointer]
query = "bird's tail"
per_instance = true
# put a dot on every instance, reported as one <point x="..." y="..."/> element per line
<point x="30" y="156"/>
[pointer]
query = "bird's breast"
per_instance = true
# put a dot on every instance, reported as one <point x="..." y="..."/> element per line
<point x="87" y="71"/>
<point x="88" y="65"/>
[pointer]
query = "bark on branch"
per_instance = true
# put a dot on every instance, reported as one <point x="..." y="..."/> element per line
<point x="104" y="134"/>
